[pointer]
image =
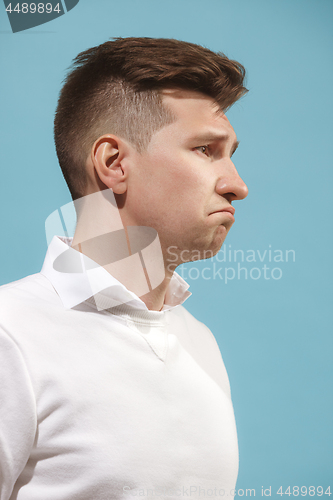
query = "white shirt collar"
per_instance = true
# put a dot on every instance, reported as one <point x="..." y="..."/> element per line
<point x="76" y="287"/>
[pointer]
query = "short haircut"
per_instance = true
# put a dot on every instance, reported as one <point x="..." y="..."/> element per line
<point x="116" y="88"/>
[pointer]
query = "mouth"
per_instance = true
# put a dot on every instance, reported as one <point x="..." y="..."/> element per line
<point x="228" y="211"/>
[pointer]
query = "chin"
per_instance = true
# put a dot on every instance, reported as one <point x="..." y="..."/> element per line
<point x="209" y="248"/>
<point x="214" y="249"/>
<point x="219" y="238"/>
<point x="199" y="248"/>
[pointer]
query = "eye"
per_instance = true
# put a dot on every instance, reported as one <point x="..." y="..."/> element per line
<point x="204" y="150"/>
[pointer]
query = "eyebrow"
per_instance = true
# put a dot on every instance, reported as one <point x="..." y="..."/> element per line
<point x="211" y="137"/>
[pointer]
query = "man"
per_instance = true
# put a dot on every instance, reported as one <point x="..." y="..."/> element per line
<point x="110" y="388"/>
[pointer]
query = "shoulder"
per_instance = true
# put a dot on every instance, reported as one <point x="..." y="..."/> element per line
<point x="30" y="288"/>
<point x="24" y="304"/>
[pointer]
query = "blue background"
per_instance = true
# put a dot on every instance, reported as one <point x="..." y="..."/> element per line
<point x="275" y="335"/>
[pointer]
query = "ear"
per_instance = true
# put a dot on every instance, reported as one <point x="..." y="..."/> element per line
<point x="108" y="157"/>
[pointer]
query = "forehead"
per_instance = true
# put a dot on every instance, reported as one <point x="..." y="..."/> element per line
<point x="195" y="112"/>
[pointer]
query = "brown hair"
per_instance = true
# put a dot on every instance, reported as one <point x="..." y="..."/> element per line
<point x="115" y="88"/>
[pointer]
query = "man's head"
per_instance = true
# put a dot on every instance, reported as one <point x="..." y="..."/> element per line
<point x="116" y="88"/>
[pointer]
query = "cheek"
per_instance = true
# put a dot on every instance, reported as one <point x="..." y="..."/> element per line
<point x="178" y="180"/>
<point x="183" y="173"/>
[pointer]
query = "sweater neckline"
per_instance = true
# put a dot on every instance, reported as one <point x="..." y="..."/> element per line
<point x="136" y="315"/>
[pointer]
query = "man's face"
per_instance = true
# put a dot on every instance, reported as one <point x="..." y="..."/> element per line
<point x="184" y="182"/>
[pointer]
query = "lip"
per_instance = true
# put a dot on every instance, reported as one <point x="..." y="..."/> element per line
<point x="229" y="210"/>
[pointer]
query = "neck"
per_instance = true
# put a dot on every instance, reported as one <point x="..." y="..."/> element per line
<point x="155" y="299"/>
<point x="131" y="254"/>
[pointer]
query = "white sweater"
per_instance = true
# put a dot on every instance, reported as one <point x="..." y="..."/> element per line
<point x="110" y="404"/>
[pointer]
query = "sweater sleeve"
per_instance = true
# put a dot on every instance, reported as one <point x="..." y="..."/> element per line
<point x="17" y="414"/>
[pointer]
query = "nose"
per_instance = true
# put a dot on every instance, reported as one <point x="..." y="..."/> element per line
<point x="230" y="185"/>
